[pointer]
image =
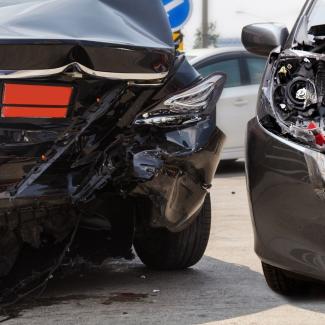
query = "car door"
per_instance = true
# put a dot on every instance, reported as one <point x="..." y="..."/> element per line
<point x="238" y="102"/>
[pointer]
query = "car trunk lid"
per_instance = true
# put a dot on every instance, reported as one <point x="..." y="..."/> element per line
<point x="105" y="38"/>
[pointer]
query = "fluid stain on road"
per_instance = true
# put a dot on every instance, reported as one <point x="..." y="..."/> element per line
<point x="15" y="311"/>
<point x="125" y="297"/>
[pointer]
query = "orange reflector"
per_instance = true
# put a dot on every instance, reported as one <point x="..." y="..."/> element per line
<point x="34" y="112"/>
<point x="37" y="95"/>
<point x="35" y="101"/>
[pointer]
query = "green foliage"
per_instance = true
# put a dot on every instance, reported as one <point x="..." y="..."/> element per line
<point x="212" y="37"/>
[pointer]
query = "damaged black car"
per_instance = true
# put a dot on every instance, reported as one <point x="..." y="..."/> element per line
<point x="108" y="140"/>
<point x="285" y="151"/>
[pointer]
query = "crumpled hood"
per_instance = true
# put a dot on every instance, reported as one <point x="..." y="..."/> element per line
<point x="90" y="32"/>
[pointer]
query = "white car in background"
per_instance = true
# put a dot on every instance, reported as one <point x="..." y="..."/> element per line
<point x="237" y="104"/>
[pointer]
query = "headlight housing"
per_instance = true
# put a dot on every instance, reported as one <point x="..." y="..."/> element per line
<point x="296" y="97"/>
<point x="185" y="107"/>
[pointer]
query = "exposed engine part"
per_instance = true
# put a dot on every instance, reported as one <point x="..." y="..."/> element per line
<point x="298" y="98"/>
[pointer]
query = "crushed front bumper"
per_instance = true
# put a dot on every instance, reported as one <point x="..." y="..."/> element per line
<point x="286" y="189"/>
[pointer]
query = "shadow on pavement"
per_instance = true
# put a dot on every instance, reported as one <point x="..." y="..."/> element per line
<point x="128" y="293"/>
<point x="230" y="168"/>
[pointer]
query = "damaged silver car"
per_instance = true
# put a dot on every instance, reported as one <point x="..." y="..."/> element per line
<point x="108" y="140"/>
<point x="285" y="151"/>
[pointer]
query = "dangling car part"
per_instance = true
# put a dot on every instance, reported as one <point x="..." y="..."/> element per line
<point x="285" y="151"/>
<point x="108" y="139"/>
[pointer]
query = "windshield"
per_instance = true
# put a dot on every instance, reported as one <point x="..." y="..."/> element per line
<point x="317" y="15"/>
<point x="311" y="32"/>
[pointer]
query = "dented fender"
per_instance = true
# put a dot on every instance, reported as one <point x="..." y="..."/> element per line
<point x="177" y="182"/>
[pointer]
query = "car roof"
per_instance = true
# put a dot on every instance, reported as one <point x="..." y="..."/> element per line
<point x="199" y="55"/>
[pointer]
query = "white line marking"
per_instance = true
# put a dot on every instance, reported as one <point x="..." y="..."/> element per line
<point x="173" y="4"/>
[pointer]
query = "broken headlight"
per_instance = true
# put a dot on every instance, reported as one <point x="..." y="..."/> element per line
<point x="297" y="97"/>
<point x="186" y="107"/>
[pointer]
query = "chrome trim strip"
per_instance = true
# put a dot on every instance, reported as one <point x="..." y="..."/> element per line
<point x="22" y="74"/>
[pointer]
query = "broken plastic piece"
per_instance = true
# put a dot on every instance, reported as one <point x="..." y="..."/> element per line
<point x="319" y="136"/>
<point x="283" y="71"/>
<point x="312" y="126"/>
<point x="320" y="139"/>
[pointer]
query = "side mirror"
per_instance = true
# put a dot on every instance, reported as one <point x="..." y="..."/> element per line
<point x="262" y="38"/>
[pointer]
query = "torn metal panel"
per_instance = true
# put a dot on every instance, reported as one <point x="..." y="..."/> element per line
<point x="178" y="180"/>
<point x="71" y="135"/>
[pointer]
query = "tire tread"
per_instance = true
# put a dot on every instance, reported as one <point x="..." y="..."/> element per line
<point x="176" y="251"/>
<point x="283" y="282"/>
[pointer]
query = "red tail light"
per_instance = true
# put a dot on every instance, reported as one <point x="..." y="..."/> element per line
<point x="35" y="101"/>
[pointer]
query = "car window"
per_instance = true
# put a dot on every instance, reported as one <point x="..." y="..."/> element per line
<point x="230" y="67"/>
<point x="256" y="67"/>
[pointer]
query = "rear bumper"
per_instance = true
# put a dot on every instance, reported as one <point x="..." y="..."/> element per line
<point x="286" y="189"/>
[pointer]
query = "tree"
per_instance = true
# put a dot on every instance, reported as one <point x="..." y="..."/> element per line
<point x="212" y="36"/>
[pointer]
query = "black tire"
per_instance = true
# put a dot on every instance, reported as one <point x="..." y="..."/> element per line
<point x="163" y="250"/>
<point x="284" y="282"/>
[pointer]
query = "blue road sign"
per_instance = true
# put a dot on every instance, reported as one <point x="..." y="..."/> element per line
<point x="179" y="12"/>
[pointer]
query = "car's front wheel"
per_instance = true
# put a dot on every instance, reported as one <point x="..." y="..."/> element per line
<point x="163" y="250"/>
<point x="284" y="282"/>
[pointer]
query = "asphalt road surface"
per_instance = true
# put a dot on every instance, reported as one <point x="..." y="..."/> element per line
<point x="226" y="287"/>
